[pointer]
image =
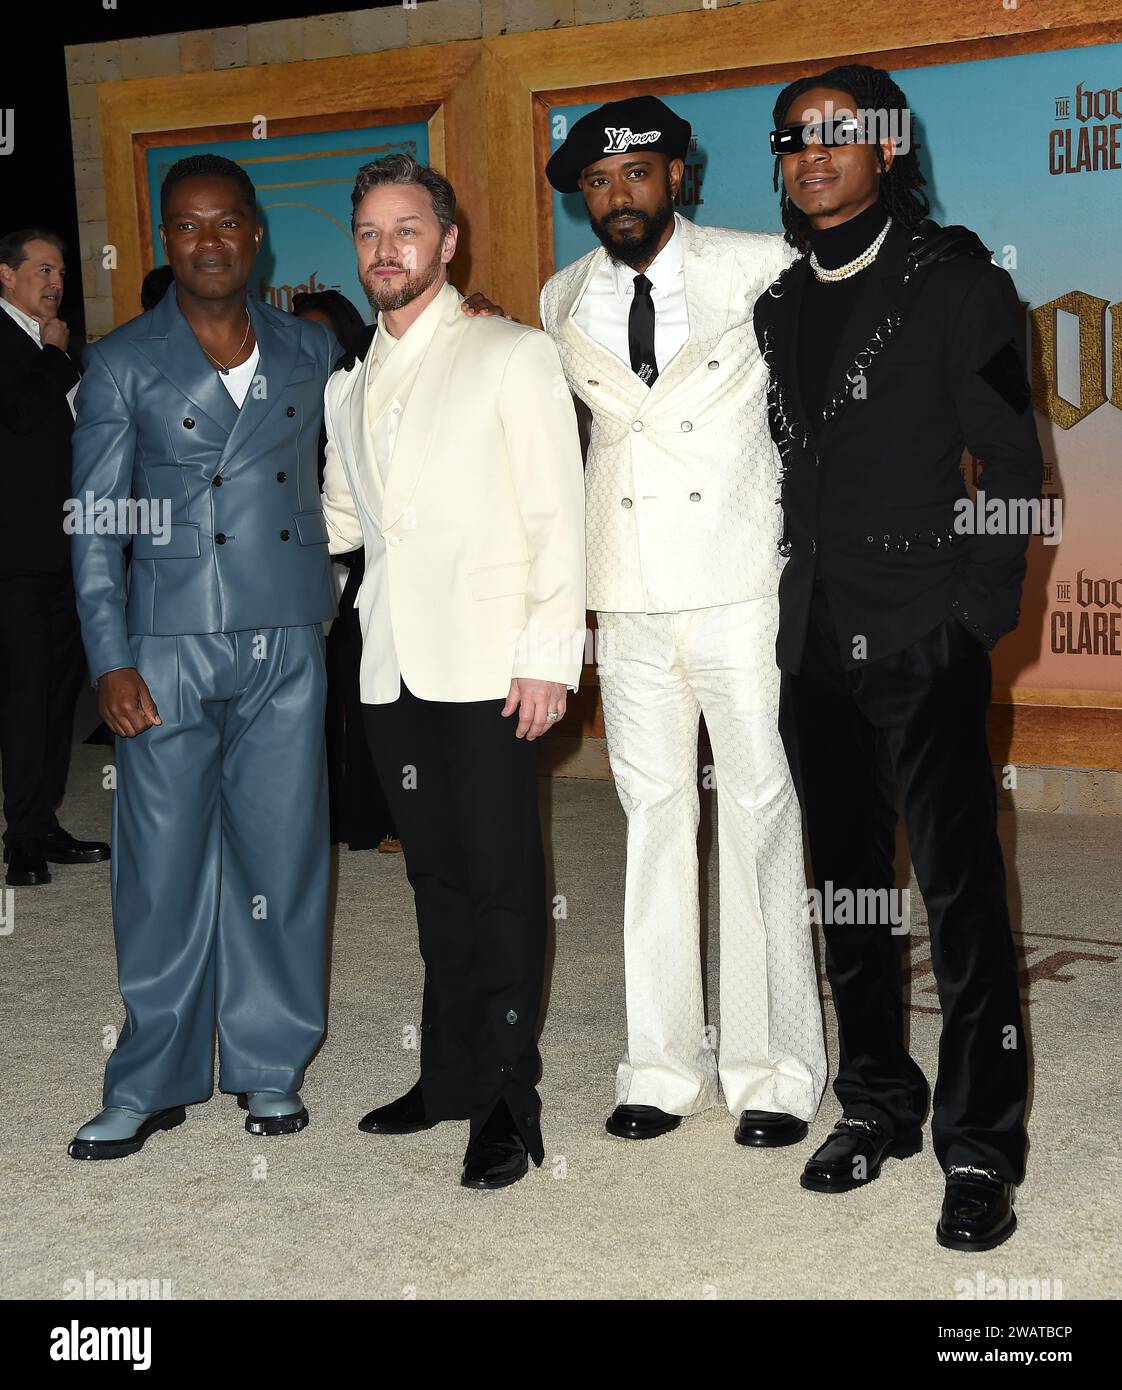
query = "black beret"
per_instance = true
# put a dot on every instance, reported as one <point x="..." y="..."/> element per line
<point x="639" y="123"/>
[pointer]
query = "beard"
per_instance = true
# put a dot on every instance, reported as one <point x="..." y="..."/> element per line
<point x="636" y="247"/>
<point x="387" y="297"/>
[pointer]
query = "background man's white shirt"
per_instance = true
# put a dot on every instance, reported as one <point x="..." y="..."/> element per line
<point x="31" y="327"/>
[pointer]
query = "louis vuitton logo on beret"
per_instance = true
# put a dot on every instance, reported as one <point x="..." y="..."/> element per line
<point x="622" y="138"/>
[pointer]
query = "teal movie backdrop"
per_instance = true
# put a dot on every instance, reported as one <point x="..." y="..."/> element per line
<point x="1027" y="151"/>
<point x="303" y="184"/>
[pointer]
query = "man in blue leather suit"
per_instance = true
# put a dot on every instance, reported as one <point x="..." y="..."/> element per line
<point x="209" y="667"/>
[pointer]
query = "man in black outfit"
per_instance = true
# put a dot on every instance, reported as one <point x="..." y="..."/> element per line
<point x="891" y="344"/>
<point x="41" y="661"/>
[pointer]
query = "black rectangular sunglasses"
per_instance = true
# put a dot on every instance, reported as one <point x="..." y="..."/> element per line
<point x="790" y="139"/>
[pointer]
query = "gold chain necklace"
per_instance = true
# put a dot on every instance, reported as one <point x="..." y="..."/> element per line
<point x="224" y="367"/>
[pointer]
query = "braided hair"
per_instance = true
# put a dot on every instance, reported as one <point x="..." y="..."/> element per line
<point x="900" y="185"/>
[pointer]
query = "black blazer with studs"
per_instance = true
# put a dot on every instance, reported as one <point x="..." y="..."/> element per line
<point x="932" y="360"/>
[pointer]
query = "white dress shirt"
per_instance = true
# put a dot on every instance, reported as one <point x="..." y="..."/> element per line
<point x="31" y="327"/>
<point x="605" y="306"/>
<point x="387" y="426"/>
<point x="407" y="353"/>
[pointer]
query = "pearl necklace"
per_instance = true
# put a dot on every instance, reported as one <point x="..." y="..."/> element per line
<point x="854" y="267"/>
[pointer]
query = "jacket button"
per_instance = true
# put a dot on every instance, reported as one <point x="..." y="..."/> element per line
<point x="220" y="538"/>
<point x="284" y="535"/>
<point x="282" y="477"/>
<point x="636" y="425"/>
<point x="216" y="481"/>
<point x="625" y="502"/>
<point x="695" y="496"/>
<point x="686" y="426"/>
<point x="188" y="424"/>
<point x="291" y="411"/>
<point x="713" y="366"/>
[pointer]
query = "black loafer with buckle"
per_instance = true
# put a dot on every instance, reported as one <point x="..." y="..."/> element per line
<point x="977" y="1209"/>
<point x="852" y="1155"/>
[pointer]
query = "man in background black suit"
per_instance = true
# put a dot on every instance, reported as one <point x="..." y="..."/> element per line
<point x="892" y="343"/>
<point x="360" y="815"/>
<point x="41" y="660"/>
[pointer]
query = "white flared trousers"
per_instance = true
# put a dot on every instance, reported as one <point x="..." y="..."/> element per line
<point x="658" y="672"/>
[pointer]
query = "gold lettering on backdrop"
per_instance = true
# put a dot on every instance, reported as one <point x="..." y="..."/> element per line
<point x="1116" y="355"/>
<point x="1087" y="149"/>
<point x="280" y="296"/>
<point x="1091" y="314"/>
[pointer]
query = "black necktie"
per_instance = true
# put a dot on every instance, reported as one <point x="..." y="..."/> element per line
<point x="640" y="332"/>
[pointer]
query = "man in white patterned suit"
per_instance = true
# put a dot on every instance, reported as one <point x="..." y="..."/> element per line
<point x="655" y="334"/>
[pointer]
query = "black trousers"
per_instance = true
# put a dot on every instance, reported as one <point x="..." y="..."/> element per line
<point x="464" y="795"/>
<point x="41" y="667"/>
<point x="916" y="721"/>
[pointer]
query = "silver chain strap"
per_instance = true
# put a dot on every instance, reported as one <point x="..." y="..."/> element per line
<point x="974" y="1172"/>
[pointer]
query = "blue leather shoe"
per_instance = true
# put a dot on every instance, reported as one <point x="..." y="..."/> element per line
<point x="117" y="1132"/>
<point x="270" y="1112"/>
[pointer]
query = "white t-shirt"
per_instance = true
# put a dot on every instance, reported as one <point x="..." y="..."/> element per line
<point x="238" y="379"/>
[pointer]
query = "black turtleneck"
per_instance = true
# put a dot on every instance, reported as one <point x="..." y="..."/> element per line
<point x="825" y="309"/>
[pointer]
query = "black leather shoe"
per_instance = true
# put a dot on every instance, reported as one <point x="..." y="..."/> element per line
<point x="977" y="1210"/>
<point x="60" y="847"/>
<point x="852" y="1155"/>
<point x="768" y="1129"/>
<point x="271" y="1125"/>
<point x="406" y="1115"/>
<point x="496" y="1157"/>
<point x="27" y="865"/>
<point x="640" y="1122"/>
<point x="121" y="1148"/>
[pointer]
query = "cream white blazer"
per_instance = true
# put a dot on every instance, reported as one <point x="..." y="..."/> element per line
<point x="475" y="545"/>
<point x="682" y="477"/>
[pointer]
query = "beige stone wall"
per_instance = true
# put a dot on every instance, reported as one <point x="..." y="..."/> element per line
<point x="291" y="41"/>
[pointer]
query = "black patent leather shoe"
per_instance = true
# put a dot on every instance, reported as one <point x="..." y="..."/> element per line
<point x="27" y="866"/>
<point x="496" y="1157"/>
<point x="406" y="1115"/>
<point x="768" y="1129"/>
<point x="640" y="1122"/>
<point x="271" y="1125"/>
<point x="977" y="1210"/>
<point x="122" y="1148"/>
<point x="852" y="1155"/>
<point x="60" y="847"/>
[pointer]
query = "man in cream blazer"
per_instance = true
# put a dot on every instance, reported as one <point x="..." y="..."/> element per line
<point x="453" y="457"/>
<point x="655" y="333"/>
